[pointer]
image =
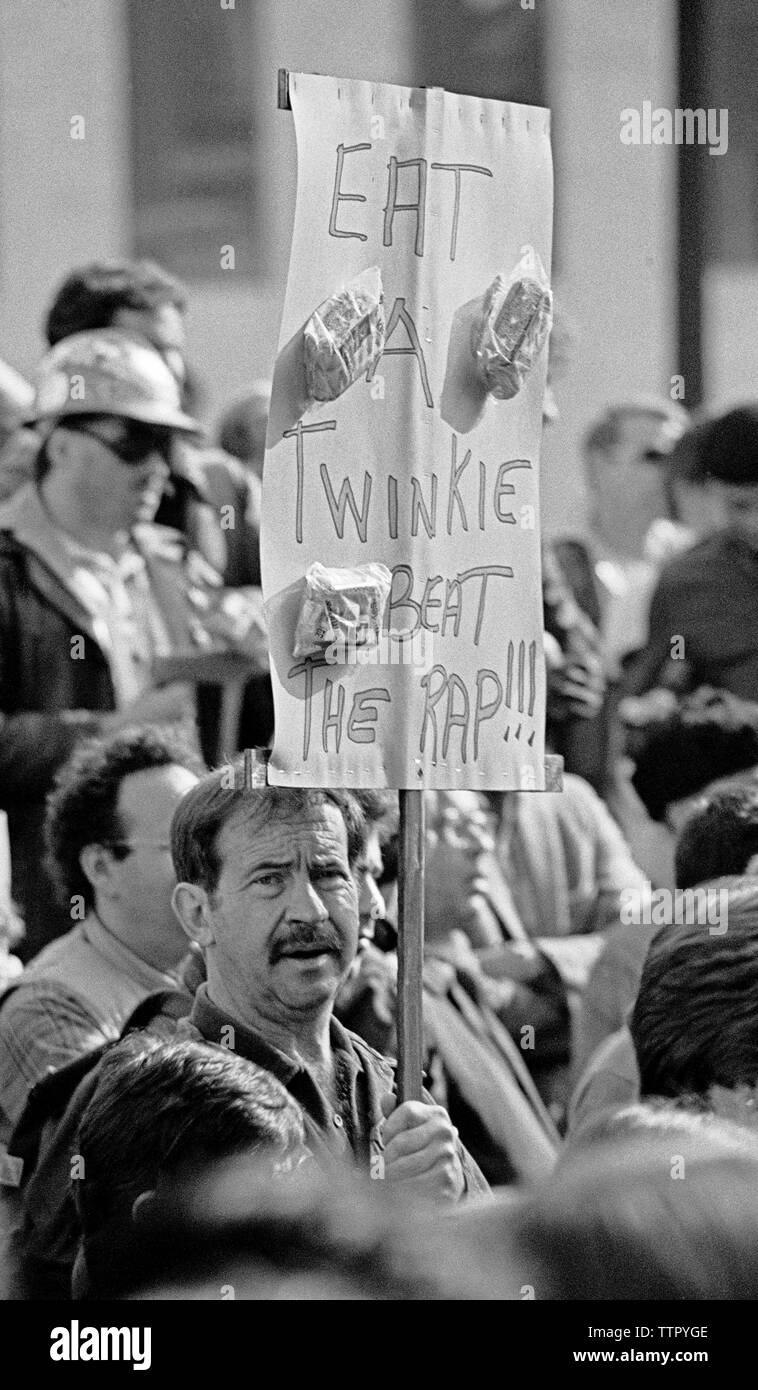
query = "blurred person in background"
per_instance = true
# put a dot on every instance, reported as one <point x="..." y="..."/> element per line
<point x="559" y="864"/>
<point x="703" y="627"/>
<point x="241" y="431"/>
<point x="716" y="855"/>
<point x="107" y="829"/>
<point x="93" y="595"/>
<point x="719" y="825"/>
<point x="631" y="527"/>
<point x="468" y="1061"/>
<point x="667" y="1213"/>
<point x="639" y="503"/>
<point x="521" y="893"/>
<point x="705" y="737"/>
<point x="576" y="726"/>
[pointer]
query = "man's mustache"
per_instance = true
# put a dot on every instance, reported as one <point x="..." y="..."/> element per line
<point x="304" y="937"/>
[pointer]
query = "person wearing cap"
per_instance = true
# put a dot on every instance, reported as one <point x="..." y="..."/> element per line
<point x="145" y="300"/>
<point x="92" y="592"/>
<point x="211" y="497"/>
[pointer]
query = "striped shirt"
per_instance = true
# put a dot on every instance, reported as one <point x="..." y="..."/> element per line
<point x="73" y="997"/>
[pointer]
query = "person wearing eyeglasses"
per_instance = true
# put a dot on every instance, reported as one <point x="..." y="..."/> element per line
<point x="92" y="593"/>
<point x="107" y="833"/>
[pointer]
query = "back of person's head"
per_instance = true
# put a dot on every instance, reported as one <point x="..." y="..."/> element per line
<point x="719" y="838"/>
<point x="92" y="295"/>
<point x="380" y="809"/>
<point x="316" y="1235"/>
<point x="163" y="1109"/>
<point x="692" y="1116"/>
<point x="242" y="427"/>
<point x="652" y="1216"/>
<point x="206" y="809"/>
<point x="82" y="808"/>
<point x="711" y="735"/>
<point x="722" y="449"/>
<point x="695" y="1021"/>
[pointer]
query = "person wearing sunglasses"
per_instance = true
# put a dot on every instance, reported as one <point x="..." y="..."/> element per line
<point x="92" y="592"/>
<point x="632" y="522"/>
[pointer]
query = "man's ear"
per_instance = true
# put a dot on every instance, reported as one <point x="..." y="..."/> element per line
<point x="95" y="863"/>
<point x="142" y="1207"/>
<point x="190" y="904"/>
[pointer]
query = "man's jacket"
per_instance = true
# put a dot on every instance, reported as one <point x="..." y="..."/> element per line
<point x="52" y="691"/>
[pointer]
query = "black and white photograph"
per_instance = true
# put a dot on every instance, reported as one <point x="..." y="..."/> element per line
<point x="378" y="671"/>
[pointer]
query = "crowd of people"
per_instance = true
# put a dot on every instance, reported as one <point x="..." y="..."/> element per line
<point x="199" y="977"/>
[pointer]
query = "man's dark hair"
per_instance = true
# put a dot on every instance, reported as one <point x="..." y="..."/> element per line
<point x="720" y="838"/>
<point x="724" y="449"/>
<point x="380" y="811"/>
<point x="82" y="808"/>
<point x="711" y="735"/>
<point x="695" y="1022"/>
<point x="92" y="294"/>
<point x="205" y="810"/>
<point x="161" y="1109"/>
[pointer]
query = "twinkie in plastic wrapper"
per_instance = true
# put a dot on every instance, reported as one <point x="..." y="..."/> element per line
<point x="344" y="337"/>
<point x="516" y="319"/>
<point x="342" y="607"/>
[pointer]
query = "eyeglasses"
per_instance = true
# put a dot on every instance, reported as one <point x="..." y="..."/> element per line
<point x="135" y="445"/>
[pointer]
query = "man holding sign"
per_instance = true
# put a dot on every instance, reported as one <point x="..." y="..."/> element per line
<point x="266" y="888"/>
<point x="400" y="538"/>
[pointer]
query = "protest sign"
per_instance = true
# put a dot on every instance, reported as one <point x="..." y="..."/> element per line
<point x="415" y="466"/>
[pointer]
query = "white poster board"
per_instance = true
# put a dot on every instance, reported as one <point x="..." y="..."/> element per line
<point x="414" y="466"/>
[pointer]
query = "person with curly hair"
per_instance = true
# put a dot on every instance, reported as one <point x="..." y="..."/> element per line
<point x="107" y="831"/>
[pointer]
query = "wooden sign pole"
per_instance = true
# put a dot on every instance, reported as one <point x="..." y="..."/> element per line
<point x="255" y="768"/>
<point x="410" y="947"/>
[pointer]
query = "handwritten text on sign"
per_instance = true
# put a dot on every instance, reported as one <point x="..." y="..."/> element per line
<point x="414" y="466"/>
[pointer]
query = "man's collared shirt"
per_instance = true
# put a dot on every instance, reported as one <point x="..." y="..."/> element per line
<point x="73" y="997"/>
<point x="120" y="598"/>
<point x="362" y="1078"/>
